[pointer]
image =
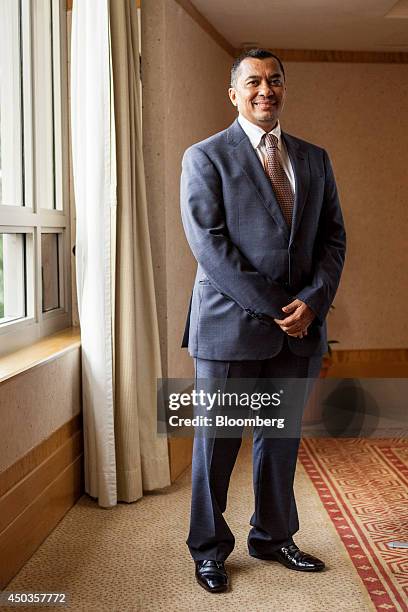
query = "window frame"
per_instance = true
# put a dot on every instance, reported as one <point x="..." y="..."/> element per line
<point x="31" y="217"/>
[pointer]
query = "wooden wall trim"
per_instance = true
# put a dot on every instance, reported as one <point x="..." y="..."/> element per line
<point x="206" y="26"/>
<point x="19" y="497"/>
<point x="370" y="363"/>
<point x="35" y="494"/>
<point x="371" y="356"/>
<point x="37" y="455"/>
<point x="22" y="537"/>
<point x="180" y="452"/>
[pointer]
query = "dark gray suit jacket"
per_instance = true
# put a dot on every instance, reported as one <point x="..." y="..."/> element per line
<point x="249" y="263"/>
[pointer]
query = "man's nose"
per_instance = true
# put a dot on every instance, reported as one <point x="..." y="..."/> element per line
<point x="265" y="89"/>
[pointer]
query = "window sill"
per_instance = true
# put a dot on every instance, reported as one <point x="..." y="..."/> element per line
<point x="39" y="352"/>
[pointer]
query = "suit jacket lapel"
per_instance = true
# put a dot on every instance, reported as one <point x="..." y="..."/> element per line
<point x="245" y="155"/>
<point x="299" y="160"/>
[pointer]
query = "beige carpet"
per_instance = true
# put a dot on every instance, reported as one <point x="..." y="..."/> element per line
<point x="134" y="558"/>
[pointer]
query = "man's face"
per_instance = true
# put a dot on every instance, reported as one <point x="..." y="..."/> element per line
<point x="259" y="91"/>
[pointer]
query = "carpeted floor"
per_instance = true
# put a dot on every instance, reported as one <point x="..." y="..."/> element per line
<point x="134" y="558"/>
<point x="363" y="484"/>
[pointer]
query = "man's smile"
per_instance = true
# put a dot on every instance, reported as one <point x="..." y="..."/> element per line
<point x="265" y="104"/>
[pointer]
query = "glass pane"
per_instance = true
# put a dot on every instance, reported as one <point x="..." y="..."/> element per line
<point x="12" y="277"/>
<point x="11" y="184"/>
<point x="50" y="272"/>
<point x="43" y="102"/>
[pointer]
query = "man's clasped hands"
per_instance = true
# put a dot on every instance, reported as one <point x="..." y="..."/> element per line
<point x="299" y="317"/>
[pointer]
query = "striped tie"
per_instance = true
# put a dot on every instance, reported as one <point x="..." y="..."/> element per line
<point x="280" y="182"/>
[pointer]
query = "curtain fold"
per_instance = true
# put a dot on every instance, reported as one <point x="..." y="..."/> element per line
<point x="91" y="127"/>
<point x="116" y="299"/>
<point x="142" y="457"/>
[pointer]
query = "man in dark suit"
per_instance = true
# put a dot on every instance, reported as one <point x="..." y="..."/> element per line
<point x="262" y="217"/>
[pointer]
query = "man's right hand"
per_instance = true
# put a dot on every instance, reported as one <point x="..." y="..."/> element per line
<point x="300" y="316"/>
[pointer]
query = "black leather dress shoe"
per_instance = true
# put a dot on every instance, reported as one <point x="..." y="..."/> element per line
<point x="290" y="556"/>
<point x="212" y="575"/>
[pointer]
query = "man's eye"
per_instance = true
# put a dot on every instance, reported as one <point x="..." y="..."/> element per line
<point x="252" y="82"/>
<point x="276" y="82"/>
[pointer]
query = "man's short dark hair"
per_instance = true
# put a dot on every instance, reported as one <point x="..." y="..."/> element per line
<point x="255" y="53"/>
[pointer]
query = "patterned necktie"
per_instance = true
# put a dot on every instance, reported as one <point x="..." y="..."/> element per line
<point x="280" y="182"/>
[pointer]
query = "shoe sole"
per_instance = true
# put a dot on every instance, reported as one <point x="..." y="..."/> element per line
<point x="222" y="589"/>
<point x="296" y="569"/>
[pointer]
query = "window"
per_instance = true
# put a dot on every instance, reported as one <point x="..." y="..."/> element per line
<point x="34" y="197"/>
<point x="50" y="272"/>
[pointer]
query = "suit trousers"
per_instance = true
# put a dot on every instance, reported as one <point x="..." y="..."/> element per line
<point x="275" y="518"/>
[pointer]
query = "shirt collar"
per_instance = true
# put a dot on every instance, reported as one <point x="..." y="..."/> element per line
<point x="256" y="133"/>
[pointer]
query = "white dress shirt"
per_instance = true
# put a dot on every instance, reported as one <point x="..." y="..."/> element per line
<point x="255" y="134"/>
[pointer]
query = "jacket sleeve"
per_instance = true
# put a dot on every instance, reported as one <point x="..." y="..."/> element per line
<point x="329" y="251"/>
<point x="228" y="270"/>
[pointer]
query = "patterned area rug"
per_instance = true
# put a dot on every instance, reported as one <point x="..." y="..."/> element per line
<point x="363" y="484"/>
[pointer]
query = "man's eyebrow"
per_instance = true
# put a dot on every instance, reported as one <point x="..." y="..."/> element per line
<point x="257" y="76"/>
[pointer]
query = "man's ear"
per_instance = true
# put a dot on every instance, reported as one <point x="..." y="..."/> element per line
<point x="233" y="96"/>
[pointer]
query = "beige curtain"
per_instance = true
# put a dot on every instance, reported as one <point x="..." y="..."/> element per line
<point x="116" y="299"/>
<point x="141" y="456"/>
<point x="93" y="166"/>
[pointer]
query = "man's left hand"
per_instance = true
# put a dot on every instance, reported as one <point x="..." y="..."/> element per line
<point x="300" y="316"/>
